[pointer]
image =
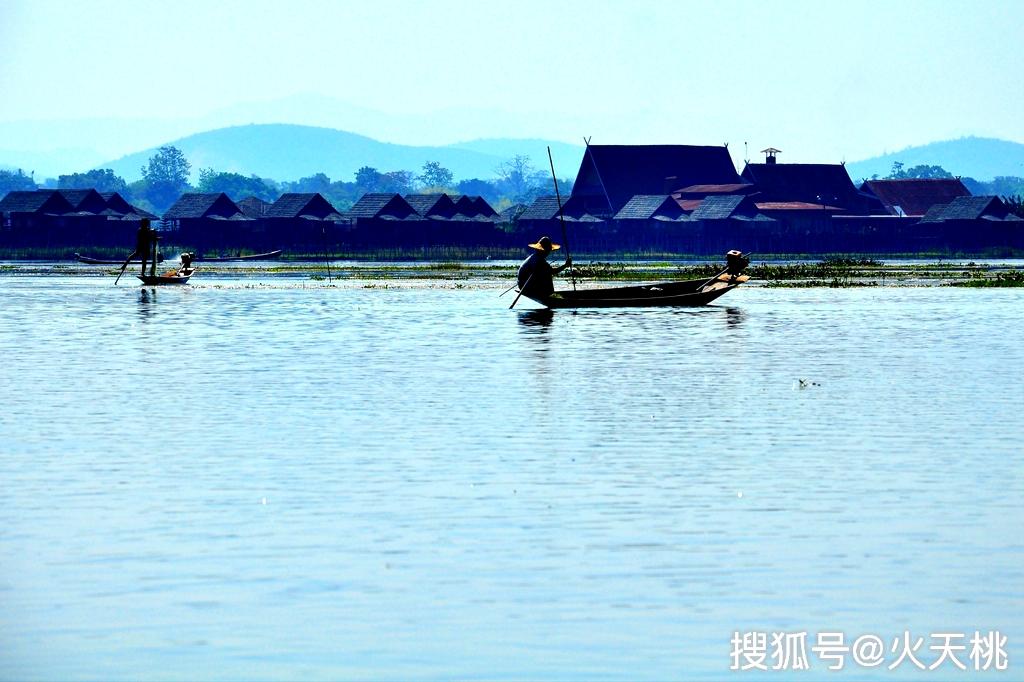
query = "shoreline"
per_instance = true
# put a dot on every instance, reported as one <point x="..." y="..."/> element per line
<point x="802" y="274"/>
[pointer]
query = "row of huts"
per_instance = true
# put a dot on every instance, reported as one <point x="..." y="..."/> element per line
<point x="675" y="198"/>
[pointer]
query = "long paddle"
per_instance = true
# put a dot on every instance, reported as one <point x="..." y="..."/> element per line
<point x="565" y="237"/>
<point x="124" y="267"/>
<point x="522" y="289"/>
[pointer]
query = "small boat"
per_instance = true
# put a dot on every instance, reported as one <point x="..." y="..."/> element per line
<point x="169" y="277"/>
<point x="102" y="261"/>
<point x="685" y="293"/>
<point x="269" y="255"/>
<point x="694" y="292"/>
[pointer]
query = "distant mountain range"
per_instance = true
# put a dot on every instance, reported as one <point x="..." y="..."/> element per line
<point x="289" y="152"/>
<point x="981" y="158"/>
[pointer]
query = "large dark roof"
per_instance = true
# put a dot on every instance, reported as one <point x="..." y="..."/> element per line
<point x="118" y="207"/>
<point x="646" y="206"/>
<point x="971" y="208"/>
<point x="914" y="197"/>
<point x="253" y="207"/>
<point x="35" y="201"/>
<point x="542" y="208"/>
<point x="206" y="205"/>
<point x="431" y="204"/>
<point x="380" y="204"/>
<point x="701" y="191"/>
<point x="88" y="200"/>
<point x="617" y="173"/>
<point x="484" y="208"/>
<point x="820" y="183"/>
<point x="294" y="205"/>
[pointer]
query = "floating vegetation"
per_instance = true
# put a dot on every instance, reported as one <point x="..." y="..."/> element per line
<point x="834" y="283"/>
<point x="1010" y="278"/>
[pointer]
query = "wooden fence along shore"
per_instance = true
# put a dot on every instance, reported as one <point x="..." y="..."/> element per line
<point x="671" y="199"/>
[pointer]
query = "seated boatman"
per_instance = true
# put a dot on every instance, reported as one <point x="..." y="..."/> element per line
<point x="536" y="274"/>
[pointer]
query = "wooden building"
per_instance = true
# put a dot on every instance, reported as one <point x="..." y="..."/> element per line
<point x="303" y="221"/>
<point x="824" y="184"/>
<point x="75" y="219"/>
<point x="610" y="175"/>
<point x="914" y="197"/>
<point x="208" y="222"/>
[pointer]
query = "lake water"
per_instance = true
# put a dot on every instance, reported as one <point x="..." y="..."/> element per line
<point x="273" y="479"/>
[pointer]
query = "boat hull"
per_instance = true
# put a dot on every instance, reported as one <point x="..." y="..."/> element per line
<point x="158" y="280"/>
<point x="696" y="292"/>
<point x="270" y="255"/>
<point x="102" y="261"/>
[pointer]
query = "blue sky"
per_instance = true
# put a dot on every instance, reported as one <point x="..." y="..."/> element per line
<point x="823" y="81"/>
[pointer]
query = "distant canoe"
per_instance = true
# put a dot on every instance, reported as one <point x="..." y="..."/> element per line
<point x="103" y="261"/>
<point x="269" y="255"/>
<point x="155" y="280"/>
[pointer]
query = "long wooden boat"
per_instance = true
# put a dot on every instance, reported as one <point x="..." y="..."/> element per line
<point x="167" y="278"/>
<point x="694" y="292"/>
<point x="103" y="261"/>
<point x="269" y="255"/>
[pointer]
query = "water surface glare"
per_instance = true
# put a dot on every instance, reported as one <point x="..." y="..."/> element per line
<point x="340" y="482"/>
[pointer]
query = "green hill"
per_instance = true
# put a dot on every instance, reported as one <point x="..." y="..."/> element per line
<point x="981" y="158"/>
<point x="289" y="152"/>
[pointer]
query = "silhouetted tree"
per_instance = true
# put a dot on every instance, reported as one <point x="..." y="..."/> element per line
<point x="519" y="180"/>
<point x="236" y="186"/>
<point x="435" y="175"/>
<point x="400" y="182"/>
<point x="308" y="185"/>
<point x="368" y="179"/>
<point x="922" y="171"/>
<point x="14" y="181"/>
<point x="166" y="177"/>
<point x="102" y="180"/>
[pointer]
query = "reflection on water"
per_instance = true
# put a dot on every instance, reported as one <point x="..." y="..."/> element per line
<point x="353" y="483"/>
<point x="535" y="321"/>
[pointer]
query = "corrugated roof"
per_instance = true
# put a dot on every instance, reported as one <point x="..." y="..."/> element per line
<point x="202" y="205"/>
<point x="811" y="183"/>
<point x="717" y="207"/>
<point x="381" y="205"/>
<point x="88" y="200"/>
<point x="913" y="197"/>
<point x="484" y="208"/>
<point x="513" y="212"/>
<point x="704" y="190"/>
<point x="794" y="206"/>
<point x="620" y="172"/>
<point x="311" y="205"/>
<point x="253" y="207"/>
<point x="542" y="208"/>
<point x="35" y="201"/>
<point x="969" y="208"/>
<point x="435" y="204"/>
<point x="646" y="206"/>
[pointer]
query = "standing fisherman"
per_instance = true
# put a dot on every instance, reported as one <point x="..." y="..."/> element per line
<point x="536" y="276"/>
<point x="143" y="243"/>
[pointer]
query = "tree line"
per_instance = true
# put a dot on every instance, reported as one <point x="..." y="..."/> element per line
<point x="1009" y="187"/>
<point x="167" y="175"/>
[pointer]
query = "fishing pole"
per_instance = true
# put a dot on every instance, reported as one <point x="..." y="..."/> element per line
<point x="565" y="237"/>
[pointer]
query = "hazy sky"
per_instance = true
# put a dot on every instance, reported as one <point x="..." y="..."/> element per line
<point x="822" y="80"/>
